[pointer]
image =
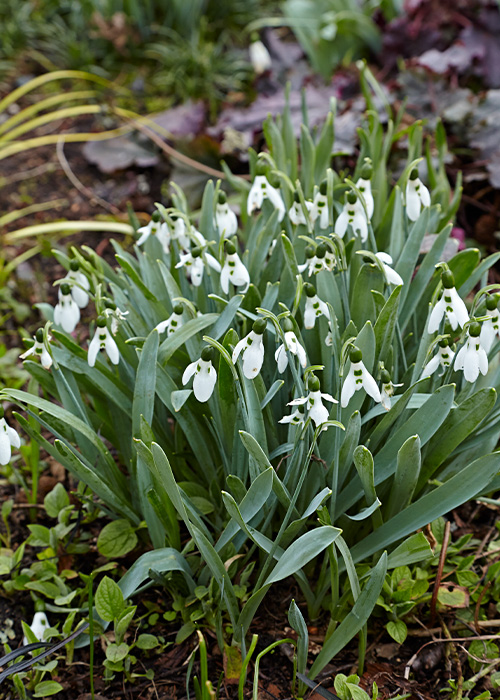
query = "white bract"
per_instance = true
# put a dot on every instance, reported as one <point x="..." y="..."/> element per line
<point x="252" y="347"/>
<point x="66" y="311"/>
<point x="352" y="214"/>
<point x="233" y="271"/>
<point x="195" y="262"/>
<point x="449" y="305"/>
<point x="442" y="359"/>
<point x="472" y="358"/>
<point x="204" y="374"/>
<point x="358" y="378"/>
<point x="417" y="196"/>
<point x="259" y="57"/>
<point x="39" y="349"/>
<point x="391" y="275"/>
<point x="314" y="307"/>
<point x="292" y="345"/>
<point x="225" y="219"/>
<point x="172" y="323"/>
<point x="261" y="190"/>
<point x="38" y="626"/>
<point x="8" y="439"/>
<point x="103" y="340"/>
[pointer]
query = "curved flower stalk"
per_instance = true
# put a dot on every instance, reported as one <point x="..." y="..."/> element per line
<point x="39" y="349"/>
<point x="472" y="358"/>
<point x="103" y="340"/>
<point x="364" y="185"/>
<point x="252" y="347"/>
<point x="204" y="375"/>
<point x="80" y="286"/>
<point x="387" y="390"/>
<point x="490" y="329"/>
<point x="225" y="218"/>
<point x="292" y="345"/>
<point x="314" y="307"/>
<point x="173" y="322"/>
<point x="66" y="311"/>
<point x="353" y="214"/>
<point x="157" y="228"/>
<point x="296" y="213"/>
<point x="9" y="438"/>
<point x="233" y="270"/>
<point x="442" y="359"/>
<point x="417" y="196"/>
<point x="391" y="276"/>
<point x="115" y="314"/>
<point x="314" y="402"/>
<point x="261" y="190"/>
<point x="320" y="207"/>
<point x="449" y="305"/>
<point x="358" y="378"/>
<point x="195" y="262"/>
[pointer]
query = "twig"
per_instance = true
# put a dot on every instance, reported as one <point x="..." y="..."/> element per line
<point x="86" y="191"/>
<point x="33" y="172"/>
<point x="482" y="637"/>
<point x="429" y="632"/>
<point x="442" y="558"/>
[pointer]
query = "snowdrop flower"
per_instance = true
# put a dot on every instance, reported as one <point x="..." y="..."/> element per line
<point x="225" y="218"/>
<point x="292" y="345"/>
<point x="364" y="185"/>
<point x="472" y="357"/>
<point x="442" y="359"/>
<point x="38" y="626"/>
<point x="194" y="262"/>
<point x="391" y="275"/>
<point x="233" y="270"/>
<point x="252" y="346"/>
<point x="320" y="207"/>
<point x="261" y="190"/>
<point x="314" y="307"/>
<point x="450" y="305"/>
<point x="81" y="284"/>
<point x="102" y="340"/>
<point x="296" y="417"/>
<point x="490" y="329"/>
<point x="8" y="439"/>
<point x="387" y="390"/>
<point x="358" y="378"/>
<point x="204" y="374"/>
<point x="173" y="322"/>
<point x="313" y="401"/>
<point x="417" y="196"/>
<point x="184" y="234"/>
<point x="155" y="228"/>
<point x="317" y="260"/>
<point x="39" y="349"/>
<point x="353" y="214"/>
<point x="66" y="311"/>
<point x="259" y="56"/>
<point x="115" y="314"/>
<point x="296" y="213"/>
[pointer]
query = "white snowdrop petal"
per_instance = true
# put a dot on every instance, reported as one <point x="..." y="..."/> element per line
<point x="370" y="385"/>
<point x="224" y="279"/>
<point x="281" y="358"/>
<point x="238" y="348"/>
<point x="189" y="371"/>
<point x="430" y="367"/>
<point x="112" y="348"/>
<point x="348" y="389"/>
<point x="298" y="402"/>
<point x="425" y="196"/>
<point x="437" y="314"/>
<point x="482" y="360"/>
<point x="384" y="257"/>
<point x="253" y="358"/>
<point x="46" y="359"/>
<point x="462" y="315"/>
<point x="460" y="358"/>
<point x="341" y="224"/>
<point x="204" y="381"/>
<point x="392" y="276"/>
<point x="471" y="365"/>
<point x="412" y="202"/>
<point x="94" y="348"/>
<point x="213" y="262"/>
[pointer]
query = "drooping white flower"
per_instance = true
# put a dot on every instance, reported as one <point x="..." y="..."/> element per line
<point x="320" y="207"/>
<point x="157" y="228"/>
<point x="472" y="358"/>
<point x="195" y="262"/>
<point x="252" y="347"/>
<point x="352" y="214"/>
<point x="115" y="314"/>
<point x="103" y="340"/>
<point x="8" y="439"/>
<point x="186" y="234"/>
<point x="296" y="417"/>
<point x="314" y="402"/>
<point x="292" y="345"/>
<point x="317" y="260"/>
<point x="417" y="196"/>
<point x="490" y="329"/>
<point x="225" y="218"/>
<point x="449" y="305"/>
<point x="442" y="359"/>
<point x="391" y="275"/>
<point x="80" y="285"/>
<point x="233" y="270"/>
<point x="364" y="185"/>
<point x="296" y="213"/>
<point x="39" y="349"/>
<point x="173" y="322"/>
<point x="314" y="307"/>
<point x="204" y="374"/>
<point x="259" y="56"/>
<point x="358" y="378"/>
<point x="38" y="626"/>
<point x="66" y="311"/>
<point x="261" y="190"/>
<point x="387" y="390"/>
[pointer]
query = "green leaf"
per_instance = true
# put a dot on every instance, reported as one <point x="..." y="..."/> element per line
<point x="297" y="623"/>
<point x="398" y="630"/>
<point x="56" y="500"/>
<point x="147" y="641"/>
<point x="405" y="477"/>
<point x="46" y="688"/>
<point x="117" y="652"/>
<point x="414" y="548"/>
<point x="145" y="383"/>
<point x="109" y="600"/>
<point x="183" y="334"/>
<point x="116" y="539"/>
<point x="131" y="272"/>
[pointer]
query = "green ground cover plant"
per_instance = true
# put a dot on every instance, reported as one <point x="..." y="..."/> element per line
<point x="295" y="393"/>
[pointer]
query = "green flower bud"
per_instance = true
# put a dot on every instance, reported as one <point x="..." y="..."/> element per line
<point x="385" y="377"/>
<point x="321" y="250"/>
<point x="491" y="302"/>
<point x="230" y="248"/>
<point x="101" y="321"/>
<point x="474" y="329"/>
<point x="74" y="265"/>
<point x="259" y="326"/>
<point x="355" y="355"/>
<point x="310" y="289"/>
<point x="260" y="168"/>
<point x="296" y="197"/>
<point x="351" y="198"/>
<point x="447" y="279"/>
<point x="108" y="304"/>
<point x="207" y="353"/>
<point x="65" y="289"/>
<point x="367" y="170"/>
<point x="156" y="216"/>
<point x="222" y="197"/>
<point x="323" y="187"/>
<point x="444" y="343"/>
<point x="414" y="174"/>
<point x="178" y="309"/>
<point x="313" y="383"/>
<point x="39" y="335"/>
<point x="310" y="251"/>
<point x="287" y="324"/>
<point x="196" y="252"/>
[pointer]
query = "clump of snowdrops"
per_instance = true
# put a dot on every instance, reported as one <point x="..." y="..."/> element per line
<point x="291" y="383"/>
